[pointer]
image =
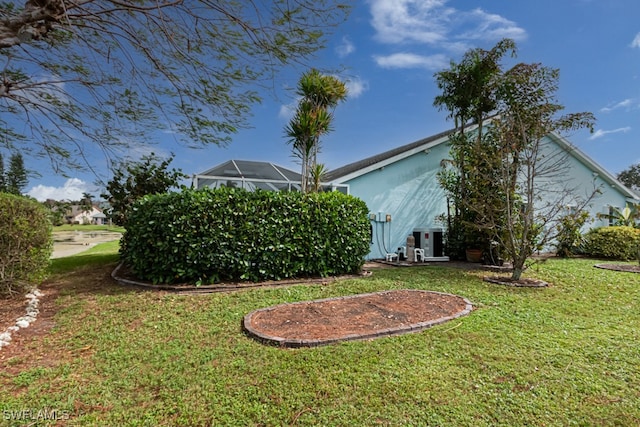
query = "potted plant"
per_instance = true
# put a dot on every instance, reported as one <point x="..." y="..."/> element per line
<point x="473" y="254"/>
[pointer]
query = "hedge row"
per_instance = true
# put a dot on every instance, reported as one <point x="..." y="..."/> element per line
<point x="619" y="242"/>
<point x="26" y="243"/>
<point x="208" y="236"/>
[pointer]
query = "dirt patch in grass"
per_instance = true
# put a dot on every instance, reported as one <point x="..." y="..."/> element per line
<point x="27" y="347"/>
<point x="11" y="308"/>
<point x="355" y="317"/>
<point x="627" y="268"/>
<point x="36" y="345"/>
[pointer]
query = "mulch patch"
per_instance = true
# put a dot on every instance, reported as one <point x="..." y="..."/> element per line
<point x="354" y="317"/>
<point x="11" y="308"/>
<point x="35" y="345"/>
<point x="627" y="268"/>
<point x="27" y="346"/>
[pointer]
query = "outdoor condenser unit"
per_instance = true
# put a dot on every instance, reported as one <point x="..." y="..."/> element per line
<point x="431" y="240"/>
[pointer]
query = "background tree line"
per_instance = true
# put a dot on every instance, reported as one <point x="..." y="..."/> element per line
<point x="14" y="179"/>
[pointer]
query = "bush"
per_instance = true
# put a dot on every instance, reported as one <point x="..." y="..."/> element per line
<point x="207" y="236"/>
<point x="25" y="243"/>
<point x="570" y="240"/>
<point x="619" y="242"/>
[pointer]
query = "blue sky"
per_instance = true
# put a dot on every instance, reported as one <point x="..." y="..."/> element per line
<point x="388" y="52"/>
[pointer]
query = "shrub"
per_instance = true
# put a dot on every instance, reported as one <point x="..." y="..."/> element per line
<point x="207" y="236"/>
<point x="570" y="240"/>
<point x="619" y="242"/>
<point x="25" y="243"/>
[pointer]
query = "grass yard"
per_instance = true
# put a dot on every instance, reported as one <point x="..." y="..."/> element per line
<point x="564" y="355"/>
<point x="88" y="227"/>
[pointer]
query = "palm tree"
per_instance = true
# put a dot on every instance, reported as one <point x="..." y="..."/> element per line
<point x="318" y="94"/>
<point x="86" y="204"/>
<point x="627" y="216"/>
<point x="317" y="174"/>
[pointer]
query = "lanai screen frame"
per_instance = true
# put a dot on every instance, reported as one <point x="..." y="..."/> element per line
<point x="246" y="174"/>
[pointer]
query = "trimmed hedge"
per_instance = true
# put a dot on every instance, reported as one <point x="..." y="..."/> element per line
<point x="208" y="236"/>
<point x="26" y="243"/>
<point x="618" y="242"/>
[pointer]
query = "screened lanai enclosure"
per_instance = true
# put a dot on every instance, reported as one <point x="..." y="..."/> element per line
<point x="252" y="175"/>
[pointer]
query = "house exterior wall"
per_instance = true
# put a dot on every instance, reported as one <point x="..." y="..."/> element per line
<point x="409" y="191"/>
<point x="583" y="181"/>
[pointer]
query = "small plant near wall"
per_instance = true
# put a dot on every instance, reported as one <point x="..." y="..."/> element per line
<point x="569" y="240"/>
<point x="627" y="216"/>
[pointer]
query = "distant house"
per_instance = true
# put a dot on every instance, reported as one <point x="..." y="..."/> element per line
<point x="401" y="189"/>
<point x="77" y="215"/>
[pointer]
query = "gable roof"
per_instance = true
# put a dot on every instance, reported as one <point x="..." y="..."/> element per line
<point x="361" y="167"/>
<point x="353" y="170"/>
<point x="75" y="210"/>
<point x="593" y="166"/>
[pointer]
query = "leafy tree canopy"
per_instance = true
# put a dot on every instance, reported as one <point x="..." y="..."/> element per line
<point x="134" y="180"/>
<point x="631" y="177"/>
<point x="499" y="176"/>
<point x="89" y="74"/>
<point x="469" y="87"/>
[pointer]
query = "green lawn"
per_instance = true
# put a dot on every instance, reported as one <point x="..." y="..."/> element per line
<point x="87" y="227"/>
<point x="560" y="356"/>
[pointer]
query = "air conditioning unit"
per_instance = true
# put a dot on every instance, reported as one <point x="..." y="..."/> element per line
<point x="431" y="240"/>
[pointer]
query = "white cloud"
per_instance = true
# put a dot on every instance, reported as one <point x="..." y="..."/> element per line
<point x="627" y="103"/>
<point x="600" y="133"/>
<point x="423" y="21"/>
<point x="346" y="47"/>
<point x="411" y="60"/>
<point x="356" y="86"/>
<point x="489" y="26"/>
<point x="636" y="41"/>
<point x="287" y="111"/>
<point x="433" y="22"/>
<point x="71" y="190"/>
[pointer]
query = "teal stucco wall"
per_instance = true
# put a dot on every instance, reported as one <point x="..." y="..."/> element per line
<point x="408" y="191"/>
